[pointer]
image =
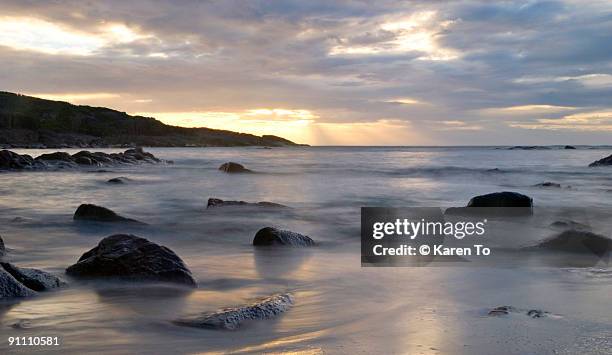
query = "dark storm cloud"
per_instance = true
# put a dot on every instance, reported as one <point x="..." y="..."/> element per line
<point x="313" y="55"/>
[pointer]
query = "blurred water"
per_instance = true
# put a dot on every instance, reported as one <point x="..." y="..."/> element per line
<point x="340" y="307"/>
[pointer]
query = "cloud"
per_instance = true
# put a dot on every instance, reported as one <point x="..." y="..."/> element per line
<point x="455" y="72"/>
<point x="596" y="121"/>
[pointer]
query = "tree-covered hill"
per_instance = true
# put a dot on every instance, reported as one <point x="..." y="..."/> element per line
<point x="27" y="121"/>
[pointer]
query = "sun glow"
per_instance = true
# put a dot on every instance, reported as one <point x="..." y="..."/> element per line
<point x="33" y="34"/>
<point x="76" y="98"/>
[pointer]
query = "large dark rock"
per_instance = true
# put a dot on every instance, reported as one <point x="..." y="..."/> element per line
<point x="2" y="248"/>
<point x="578" y="241"/>
<point x="500" y="204"/>
<point x="232" y="167"/>
<point x="215" y="202"/>
<point x="128" y="257"/>
<point x="569" y="147"/>
<point x="91" y="212"/>
<point x="33" y="279"/>
<point x="232" y="318"/>
<point x="272" y="236"/>
<point x="501" y="199"/>
<point x="11" y="160"/>
<point x="607" y="161"/>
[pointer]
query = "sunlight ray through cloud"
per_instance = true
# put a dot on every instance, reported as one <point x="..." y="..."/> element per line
<point x="416" y="32"/>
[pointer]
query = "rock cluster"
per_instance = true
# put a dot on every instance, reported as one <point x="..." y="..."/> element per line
<point x="13" y="161"/>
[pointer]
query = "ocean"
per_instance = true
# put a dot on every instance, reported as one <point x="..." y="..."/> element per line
<point x="340" y="307"/>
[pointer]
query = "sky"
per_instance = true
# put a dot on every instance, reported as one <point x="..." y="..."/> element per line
<point x="327" y="72"/>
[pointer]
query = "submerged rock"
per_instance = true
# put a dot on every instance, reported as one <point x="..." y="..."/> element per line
<point x="215" y="202"/>
<point x="232" y="167"/>
<point x="578" y="241"/>
<point x="548" y="184"/>
<point x="569" y="224"/>
<point x="126" y="256"/>
<point x="232" y="318"/>
<point x="529" y="147"/>
<point x="607" y="161"/>
<point x="272" y="236"/>
<point x="506" y="310"/>
<point x="33" y="279"/>
<point x="91" y="212"/>
<point x="119" y="180"/>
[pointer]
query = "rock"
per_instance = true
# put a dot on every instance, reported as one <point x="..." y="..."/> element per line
<point x="84" y="161"/>
<point x="569" y="147"/>
<point x="10" y="287"/>
<point x="536" y="313"/>
<point x="128" y="257"/>
<point x="569" y="224"/>
<point x="119" y="180"/>
<point x="500" y="204"/>
<point x="59" y="156"/>
<point x="531" y="147"/>
<point x="548" y="184"/>
<point x="501" y="199"/>
<point x="232" y="318"/>
<point x="215" y="202"/>
<point x="501" y="310"/>
<point x="232" y="167"/>
<point x="506" y="310"/>
<point x="607" y="161"/>
<point x="33" y="279"/>
<point x="91" y="212"/>
<point x="578" y="241"/>
<point x="13" y="161"/>
<point x="272" y="236"/>
<point x="2" y="248"/>
<point x="10" y="160"/>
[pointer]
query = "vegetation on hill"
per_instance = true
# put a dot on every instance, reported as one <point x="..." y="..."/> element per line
<point x="27" y="121"/>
